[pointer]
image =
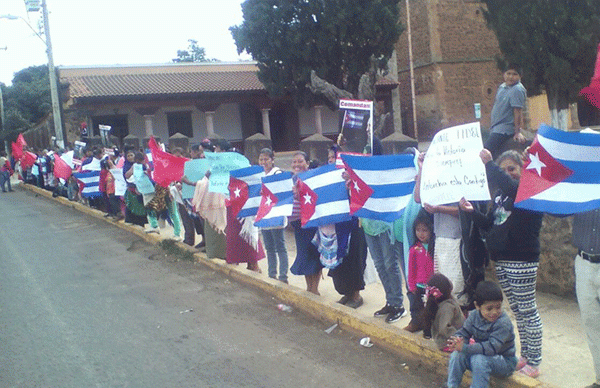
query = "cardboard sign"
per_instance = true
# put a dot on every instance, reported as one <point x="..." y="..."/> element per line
<point x="221" y="163"/>
<point x="142" y="181"/>
<point x="194" y="170"/>
<point x="452" y="168"/>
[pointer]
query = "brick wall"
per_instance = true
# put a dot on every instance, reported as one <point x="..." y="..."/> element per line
<point x="463" y="32"/>
<point x="454" y="65"/>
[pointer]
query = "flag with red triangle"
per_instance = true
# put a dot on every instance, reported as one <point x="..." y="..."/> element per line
<point x="244" y="190"/>
<point x="562" y="174"/>
<point x="323" y="196"/>
<point x="277" y="200"/>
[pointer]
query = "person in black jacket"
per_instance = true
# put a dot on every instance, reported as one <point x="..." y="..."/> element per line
<point x="512" y="239"/>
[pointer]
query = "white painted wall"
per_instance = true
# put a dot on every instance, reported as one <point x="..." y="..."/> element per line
<point x="227" y="121"/>
<point x="306" y="120"/>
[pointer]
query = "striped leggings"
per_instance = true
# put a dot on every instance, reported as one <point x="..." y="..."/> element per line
<point x="518" y="280"/>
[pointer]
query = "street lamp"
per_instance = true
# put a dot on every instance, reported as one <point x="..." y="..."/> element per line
<point x="58" y="129"/>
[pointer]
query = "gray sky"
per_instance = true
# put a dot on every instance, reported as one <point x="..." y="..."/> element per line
<point x="104" y="32"/>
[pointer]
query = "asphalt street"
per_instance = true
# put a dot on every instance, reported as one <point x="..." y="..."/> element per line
<point x="85" y="304"/>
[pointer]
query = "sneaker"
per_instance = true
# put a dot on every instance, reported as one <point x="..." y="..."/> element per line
<point x="178" y="238"/>
<point x="344" y="299"/>
<point x="152" y="230"/>
<point x="385" y="310"/>
<point x="395" y="314"/>
<point x="522" y="362"/>
<point x="530" y="370"/>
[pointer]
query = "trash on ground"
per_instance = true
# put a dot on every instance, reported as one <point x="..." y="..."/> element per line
<point x="366" y="342"/>
<point x="186" y="311"/>
<point x="331" y="329"/>
<point x="284" y="307"/>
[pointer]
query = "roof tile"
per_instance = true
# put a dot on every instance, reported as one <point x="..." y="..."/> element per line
<point x="160" y="79"/>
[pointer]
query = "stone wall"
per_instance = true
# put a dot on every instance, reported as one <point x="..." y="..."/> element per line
<point x="453" y="54"/>
<point x="556" y="273"/>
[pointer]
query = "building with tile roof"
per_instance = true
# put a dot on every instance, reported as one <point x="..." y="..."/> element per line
<point x="198" y="100"/>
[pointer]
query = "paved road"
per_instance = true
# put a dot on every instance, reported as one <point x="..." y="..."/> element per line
<point x="84" y="304"/>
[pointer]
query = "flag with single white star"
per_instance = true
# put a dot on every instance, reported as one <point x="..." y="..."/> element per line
<point x="562" y="173"/>
<point x="323" y="196"/>
<point x="244" y="190"/>
<point x="277" y="200"/>
<point x="166" y="168"/>
<point x="380" y="186"/>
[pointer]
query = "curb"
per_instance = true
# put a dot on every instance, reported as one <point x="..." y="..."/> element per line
<point x="393" y="339"/>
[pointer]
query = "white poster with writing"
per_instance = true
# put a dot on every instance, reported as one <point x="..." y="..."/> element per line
<point x="120" y="183"/>
<point x="452" y="168"/>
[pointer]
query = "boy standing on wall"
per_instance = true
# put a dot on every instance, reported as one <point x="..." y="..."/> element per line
<point x="507" y="113"/>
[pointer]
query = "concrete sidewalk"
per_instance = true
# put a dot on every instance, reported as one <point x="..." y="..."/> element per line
<point x="567" y="360"/>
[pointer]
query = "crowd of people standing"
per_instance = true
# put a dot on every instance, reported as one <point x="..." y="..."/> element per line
<point x="435" y="256"/>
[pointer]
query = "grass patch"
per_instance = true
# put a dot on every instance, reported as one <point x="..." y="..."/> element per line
<point x="171" y="248"/>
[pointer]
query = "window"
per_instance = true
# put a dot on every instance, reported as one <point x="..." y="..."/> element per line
<point x="180" y="122"/>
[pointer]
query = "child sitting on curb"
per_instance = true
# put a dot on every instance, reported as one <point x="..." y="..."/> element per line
<point x="485" y="344"/>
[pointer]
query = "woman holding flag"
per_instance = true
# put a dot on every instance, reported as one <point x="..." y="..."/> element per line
<point x="307" y="261"/>
<point x="513" y="244"/>
<point x="273" y="237"/>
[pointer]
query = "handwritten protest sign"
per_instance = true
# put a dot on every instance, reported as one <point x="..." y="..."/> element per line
<point x="142" y="181"/>
<point x="452" y="168"/>
<point x="221" y="163"/>
<point x="120" y="184"/>
<point x="193" y="170"/>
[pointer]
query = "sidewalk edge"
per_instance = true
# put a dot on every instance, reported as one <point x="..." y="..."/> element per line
<point x="391" y="338"/>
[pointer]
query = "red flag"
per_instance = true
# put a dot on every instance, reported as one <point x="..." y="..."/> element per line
<point x="28" y="159"/>
<point x="167" y="168"/>
<point x="61" y="168"/>
<point x="21" y="141"/>
<point x="17" y="151"/>
<point x="592" y="92"/>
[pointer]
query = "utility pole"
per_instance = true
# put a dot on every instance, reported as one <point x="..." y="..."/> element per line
<point x="2" y="120"/>
<point x="58" y="129"/>
<point x="412" y="71"/>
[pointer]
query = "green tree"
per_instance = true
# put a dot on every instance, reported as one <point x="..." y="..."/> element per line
<point x="194" y="53"/>
<point x="27" y="100"/>
<point x="335" y="38"/>
<point x="554" y="41"/>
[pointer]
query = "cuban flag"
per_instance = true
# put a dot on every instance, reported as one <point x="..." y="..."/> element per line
<point x="244" y="190"/>
<point x="323" y="196"/>
<point x="380" y="186"/>
<point x="562" y="175"/>
<point x="89" y="183"/>
<point x="277" y="200"/>
<point x="92" y="165"/>
<point x="354" y="119"/>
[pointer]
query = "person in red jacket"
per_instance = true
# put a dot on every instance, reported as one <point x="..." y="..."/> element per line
<point x="5" y="172"/>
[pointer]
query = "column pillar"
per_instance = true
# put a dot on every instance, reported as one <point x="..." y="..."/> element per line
<point x="318" y="121"/>
<point x="210" y="126"/>
<point x="266" y="124"/>
<point x="149" y="125"/>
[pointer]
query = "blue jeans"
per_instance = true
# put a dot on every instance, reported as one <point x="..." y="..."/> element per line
<point x="275" y="246"/>
<point x="481" y="368"/>
<point x="4" y="180"/>
<point x="386" y="264"/>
